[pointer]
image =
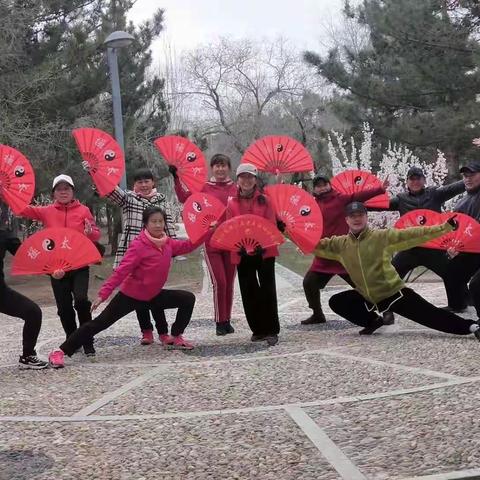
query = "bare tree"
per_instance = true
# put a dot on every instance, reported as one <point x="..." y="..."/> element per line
<point x="233" y="85"/>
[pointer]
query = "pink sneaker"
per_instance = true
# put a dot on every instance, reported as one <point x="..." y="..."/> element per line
<point x="147" y="337"/>
<point x="165" y="339"/>
<point x="55" y="359"/>
<point x="181" y="344"/>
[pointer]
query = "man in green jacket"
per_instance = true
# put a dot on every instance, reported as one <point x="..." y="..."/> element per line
<point x="366" y="255"/>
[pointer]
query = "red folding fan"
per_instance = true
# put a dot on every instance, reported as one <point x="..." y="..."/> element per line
<point x="199" y="212"/>
<point x="187" y="157"/>
<point x="300" y="213"/>
<point x="53" y="249"/>
<point x="104" y="157"/>
<point x="248" y="231"/>
<point x="278" y="154"/>
<point x="355" y="181"/>
<point x="421" y="217"/>
<point x="466" y="238"/>
<point x="17" y="180"/>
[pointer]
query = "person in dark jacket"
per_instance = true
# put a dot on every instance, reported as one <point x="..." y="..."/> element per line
<point x="15" y="304"/>
<point x="465" y="267"/>
<point x="418" y="195"/>
<point x="332" y="204"/>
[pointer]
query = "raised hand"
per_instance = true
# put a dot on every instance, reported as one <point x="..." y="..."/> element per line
<point x="95" y="304"/>
<point x="58" y="274"/>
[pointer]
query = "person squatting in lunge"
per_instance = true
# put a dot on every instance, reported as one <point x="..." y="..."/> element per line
<point x="133" y="203"/>
<point x="366" y="255"/>
<point x="141" y="275"/>
<point x="15" y="304"/>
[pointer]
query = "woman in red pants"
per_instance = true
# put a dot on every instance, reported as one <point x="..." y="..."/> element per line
<point x="222" y="271"/>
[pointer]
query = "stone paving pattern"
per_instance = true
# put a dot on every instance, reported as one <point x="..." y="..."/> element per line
<point x="403" y="403"/>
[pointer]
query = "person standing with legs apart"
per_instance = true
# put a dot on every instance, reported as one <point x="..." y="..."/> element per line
<point x="256" y="273"/>
<point x="366" y="255"/>
<point x="15" y="304"/>
<point x="220" y="267"/>
<point x="141" y="276"/>
<point x="133" y="203"/>
<point x="71" y="288"/>
<point x="322" y="270"/>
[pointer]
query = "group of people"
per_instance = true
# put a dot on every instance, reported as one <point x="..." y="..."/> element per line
<point x="349" y="248"/>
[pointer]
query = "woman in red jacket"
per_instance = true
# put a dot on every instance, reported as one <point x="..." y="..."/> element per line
<point x="256" y="273"/>
<point x="68" y="212"/>
<point x="222" y="271"/>
<point x="141" y="275"/>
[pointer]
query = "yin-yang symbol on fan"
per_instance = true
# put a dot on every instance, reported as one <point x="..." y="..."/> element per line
<point x="191" y="157"/>
<point x="358" y="180"/>
<point x="196" y="206"/>
<point x="305" y="211"/>
<point x="19" y="171"/>
<point x="109" y="155"/>
<point x="421" y="220"/>
<point x="48" y="244"/>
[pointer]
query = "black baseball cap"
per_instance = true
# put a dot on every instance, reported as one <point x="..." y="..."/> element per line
<point x="355" y="207"/>
<point x="471" y="167"/>
<point x="415" y="172"/>
<point x="320" y="178"/>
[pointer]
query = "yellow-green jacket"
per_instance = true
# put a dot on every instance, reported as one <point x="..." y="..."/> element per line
<point x="367" y="257"/>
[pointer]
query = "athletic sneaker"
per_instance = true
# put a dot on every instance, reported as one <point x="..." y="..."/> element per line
<point x="89" y="350"/>
<point x="56" y="359"/>
<point x="181" y="344"/>
<point x="374" y="325"/>
<point x="147" y="337"/>
<point x="165" y="339"/>
<point x="31" y="362"/>
<point x="224" y="328"/>
<point x="314" y="319"/>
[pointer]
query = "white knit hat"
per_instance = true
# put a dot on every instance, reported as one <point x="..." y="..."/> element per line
<point x="62" y="178"/>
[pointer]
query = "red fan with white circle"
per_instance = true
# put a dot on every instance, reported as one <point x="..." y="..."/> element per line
<point x="278" y="154"/>
<point x="17" y="179"/>
<point x="300" y="213"/>
<point x="421" y="217"/>
<point x="187" y="157"/>
<point x="355" y="181"/>
<point x="53" y="249"/>
<point x="199" y="212"/>
<point x="103" y="158"/>
<point x="247" y="231"/>
<point x="466" y="238"/>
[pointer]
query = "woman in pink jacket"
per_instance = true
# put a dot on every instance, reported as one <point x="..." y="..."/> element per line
<point x="221" y="269"/>
<point x="141" y="276"/>
<point x="256" y="273"/>
<point x="67" y="211"/>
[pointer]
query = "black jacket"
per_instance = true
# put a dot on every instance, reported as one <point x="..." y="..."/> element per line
<point x="470" y="205"/>
<point x="8" y="243"/>
<point x="432" y="198"/>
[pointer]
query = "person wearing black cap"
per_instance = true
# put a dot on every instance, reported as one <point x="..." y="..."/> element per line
<point x="365" y="253"/>
<point x="418" y="195"/>
<point x="465" y="267"/>
<point x="322" y="270"/>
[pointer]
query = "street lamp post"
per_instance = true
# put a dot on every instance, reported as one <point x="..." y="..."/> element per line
<point x="113" y="42"/>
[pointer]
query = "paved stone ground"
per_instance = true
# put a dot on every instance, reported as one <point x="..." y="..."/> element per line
<point x="324" y="403"/>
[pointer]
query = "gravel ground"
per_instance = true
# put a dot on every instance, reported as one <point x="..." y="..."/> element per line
<point x="238" y="447"/>
<point x="386" y="438"/>
<point x="419" y="434"/>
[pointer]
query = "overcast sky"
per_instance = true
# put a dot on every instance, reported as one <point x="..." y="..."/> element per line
<point x="192" y="22"/>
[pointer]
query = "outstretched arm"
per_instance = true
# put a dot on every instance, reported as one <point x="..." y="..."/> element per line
<point x="399" y="240"/>
<point x="118" y="196"/>
<point x="330" y="247"/>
